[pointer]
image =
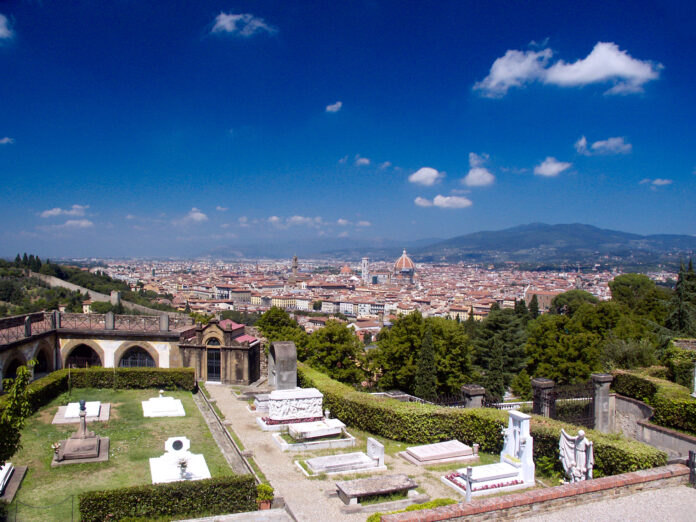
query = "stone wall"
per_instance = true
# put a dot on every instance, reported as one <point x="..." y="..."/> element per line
<point x="539" y="501"/>
<point x="627" y="414"/>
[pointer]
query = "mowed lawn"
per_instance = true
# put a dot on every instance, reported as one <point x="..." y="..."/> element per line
<point x="134" y="439"/>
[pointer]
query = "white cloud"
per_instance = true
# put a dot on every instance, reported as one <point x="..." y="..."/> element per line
<point x="423" y="202"/>
<point x="221" y="209"/>
<point x="5" y="31"/>
<point x="243" y="221"/>
<point x="130" y="216"/>
<point x="76" y="223"/>
<point x="360" y="161"/>
<point x="194" y="216"/>
<point x="551" y="167"/>
<point x="343" y="234"/>
<point x="644" y="181"/>
<point x="478" y="176"/>
<point x="658" y="182"/>
<point x="513" y="69"/>
<point x="616" y="145"/>
<point x="344" y="159"/>
<point x="334" y="107"/>
<point x="451" y="201"/>
<point x="363" y="224"/>
<point x="6" y="141"/>
<point x="274" y="220"/>
<point x="426" y="176"/>
<point x="342" y="222"/>
<point x="605" y="63"/>
<point x="312" y="222"/>
<point x="385" y="165"/>
<point x="75" y="210"/>
<point x="245" y="24"/>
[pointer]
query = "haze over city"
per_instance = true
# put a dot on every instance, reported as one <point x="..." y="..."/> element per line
<point x="172" y="129"/>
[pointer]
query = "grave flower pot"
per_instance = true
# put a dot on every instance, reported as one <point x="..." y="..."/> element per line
<point x="264" y="504"/>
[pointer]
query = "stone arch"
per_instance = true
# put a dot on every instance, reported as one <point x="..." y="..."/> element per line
<point x="213" y="341"/>
<point x="13" y="362"/>
<point x="78" y="344"/>
<point x="212" y="334"/>
<point x="45" y="361"/>
<point x="121" y="351"/>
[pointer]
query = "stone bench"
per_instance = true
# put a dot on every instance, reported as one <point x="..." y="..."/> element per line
<point x="350" y="491"/>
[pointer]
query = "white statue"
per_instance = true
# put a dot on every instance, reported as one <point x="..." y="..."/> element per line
<point x="576" y="455"/>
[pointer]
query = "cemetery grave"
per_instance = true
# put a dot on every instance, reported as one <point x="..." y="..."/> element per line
<point x="70" y="414"/>
<point x="162" y="406"/>
<point x="399" y="490"/>
<point x="134" y="439"/>
<point x="440" y="453"/>
<point x="292" y="406"/>
<point x="178" y="463"/>
<point x="354" y="462"/>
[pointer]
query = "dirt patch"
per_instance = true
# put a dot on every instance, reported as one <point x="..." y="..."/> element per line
<point x="46" y="416"/>
<point x="113" y="414"/>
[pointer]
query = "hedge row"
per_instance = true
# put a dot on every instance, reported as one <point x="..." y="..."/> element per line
<point x="674" y="406"/>
<point x="423" y="423"/>
<point x="186" y="499"/>
<point x="44" y="390"/>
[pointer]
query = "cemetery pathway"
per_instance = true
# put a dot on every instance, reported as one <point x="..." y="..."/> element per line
<point x="306" y="498"/>
<point x="671" y="504"/>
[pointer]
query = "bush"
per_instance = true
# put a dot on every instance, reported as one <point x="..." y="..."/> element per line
<point x="674" y="406"/>
<point x="680" y="366"/>
<point x="185" y="499"/>
<point x="423" y="423"/>
<point x="44" y="390"/>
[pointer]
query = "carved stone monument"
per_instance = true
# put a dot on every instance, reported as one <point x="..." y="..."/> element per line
<point x="577" y="456"/>
<point x="514" y="471"/>
<point x="178" y="463"/>
<point x="294" y="405"/>
<point x="83" y="446"/>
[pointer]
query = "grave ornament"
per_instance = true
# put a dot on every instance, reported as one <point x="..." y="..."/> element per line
<point x="577" y="456"/>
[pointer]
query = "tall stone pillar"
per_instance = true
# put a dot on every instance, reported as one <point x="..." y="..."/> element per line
<point x="473" y="395"/>
<point x="164" y="323"/>
<point x="603" y="418"/>
<point x="56" y="319"/>
<point x="544" y="400"/>
<point x="109" y="321"/>
<point x="27" y="326"/>
<point x="115" y="297"/>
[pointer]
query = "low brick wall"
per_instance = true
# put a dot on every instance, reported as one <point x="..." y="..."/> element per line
<point x="542" y="500"/>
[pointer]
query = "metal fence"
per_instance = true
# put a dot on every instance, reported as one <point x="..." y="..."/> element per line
<point x="572" y="403"/>
<point x="14" y="328"/>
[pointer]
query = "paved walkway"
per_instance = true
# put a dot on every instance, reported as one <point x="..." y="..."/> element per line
<point x="307" y="498"/>
<point x="671" y="504"/>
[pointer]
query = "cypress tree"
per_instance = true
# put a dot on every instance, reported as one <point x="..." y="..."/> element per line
<point x="682" y="315"/>
<point x="534" y="307"/>
<point x="426" y="378"/>
<point x="25" y="260"/>
<point x="18" y="260"/>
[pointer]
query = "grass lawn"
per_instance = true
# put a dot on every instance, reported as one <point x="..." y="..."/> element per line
<point x="133" y="440"/>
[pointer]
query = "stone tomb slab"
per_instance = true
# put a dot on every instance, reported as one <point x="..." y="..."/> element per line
<point x="102" y="456"/>
<point x="166" y="468"/>
<point x="13" y="482"/>
<point x="102" y="413"/>
<point x="343" y="463"/>
<point x="297" y="404"/>
<point x="314" y="430"/>
<point x="440" y="453"/>
<point x="163" y="407"/>
<point x="72" y="410"/>
<point x="351" y="491"/>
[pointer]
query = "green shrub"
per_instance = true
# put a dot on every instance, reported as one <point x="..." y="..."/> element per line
<point x="674" y="406"/>
<point x="423" y="423"/>
<point x="264" y="492"/>
<point x="680" y="366"/>
<point x="438" y="502"/>
<point x="186" y="499"/>
<point x="4" y="510"/>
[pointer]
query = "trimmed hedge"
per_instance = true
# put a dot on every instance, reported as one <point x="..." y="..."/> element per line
<point x="423" y="423"/>
<point x="674" y="406"/>
<point x="216" y="496"/>
<point x="44" y="390"/>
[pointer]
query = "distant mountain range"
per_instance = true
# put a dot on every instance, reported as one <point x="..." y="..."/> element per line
<point x="559" y="244"/>
<point x="536" y="245"/>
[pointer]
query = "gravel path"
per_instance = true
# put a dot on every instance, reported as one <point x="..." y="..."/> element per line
<point x="671" y="504"/>
<point x="307" y="498"/>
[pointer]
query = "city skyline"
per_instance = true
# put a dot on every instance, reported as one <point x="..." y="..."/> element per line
<point x="147" y="130"/>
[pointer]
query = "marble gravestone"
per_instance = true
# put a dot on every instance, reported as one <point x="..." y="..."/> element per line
<point x="6" y="472"/>
<point x="163" y="407"/>
<point x="178" y="463"/>
<point x="301" y="404"/>
<point x="83" y="446"/>
<point x="92" y="409"/>
<point x="440" y="453"/>
<point x="576" y="455"/>
<point x="514" y="471"/>
<point x="350" y="462"/>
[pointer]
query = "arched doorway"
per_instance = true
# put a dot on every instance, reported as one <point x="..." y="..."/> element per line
<point x="213" y="357"/>
<point x="11" y="370"/>
<point x="137" y="357"/>
<point x="83" y="356"/>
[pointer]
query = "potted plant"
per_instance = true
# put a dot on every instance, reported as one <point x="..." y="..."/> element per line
<point x="264" y="496"/>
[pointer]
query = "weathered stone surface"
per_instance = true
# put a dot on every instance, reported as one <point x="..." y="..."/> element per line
<point x="301" y="403"/>
<point x="315" y="430"/>
<point x="440" y="450"/>
<point x="349" y="491"/>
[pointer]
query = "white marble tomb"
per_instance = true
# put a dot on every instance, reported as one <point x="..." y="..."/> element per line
<point x="5" y="476"/>
<point x="297" y="404"/>
<point x="350" y="462"/>
<point x="440" y="453"/>
<point x="163" y="407"/>
<point x="167" y="467"/>
<point x="315" y="430"/>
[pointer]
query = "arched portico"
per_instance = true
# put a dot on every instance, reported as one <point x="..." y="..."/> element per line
<point x="81" y="353"/>
<point x="130" y="350"/>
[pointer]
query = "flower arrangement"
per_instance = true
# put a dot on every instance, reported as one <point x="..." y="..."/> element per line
<point x="55" y="447"/>
<point x="459" y="480"/>
<point x="183" y="464"/>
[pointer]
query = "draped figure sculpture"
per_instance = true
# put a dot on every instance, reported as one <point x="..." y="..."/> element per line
<point x="576" y="455"/>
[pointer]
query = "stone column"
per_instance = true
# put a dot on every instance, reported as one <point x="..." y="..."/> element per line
<point x="115" y="297"/>
<point x="544" y="403"/>
<point x="603" y="418"/>
<point x="473" y="395"/>
<point x="109" y="321"/>
<point x="27" y="326"/>
<point x="164" y="323"/>
<point x="56" y="319"/>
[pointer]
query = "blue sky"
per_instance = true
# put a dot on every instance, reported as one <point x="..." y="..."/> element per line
<point x="169" y="128"/>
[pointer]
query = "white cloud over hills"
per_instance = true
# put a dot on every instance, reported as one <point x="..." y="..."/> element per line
<point x="551" y="167"/>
